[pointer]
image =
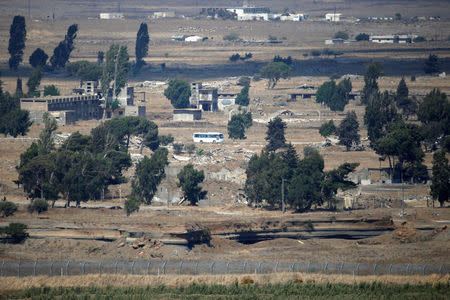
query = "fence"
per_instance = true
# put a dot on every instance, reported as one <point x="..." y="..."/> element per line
<point x="68" y="268"/>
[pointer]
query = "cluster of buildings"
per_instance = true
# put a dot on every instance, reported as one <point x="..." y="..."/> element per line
<point x="379" y="39"/>
<point x="85" y="103"/>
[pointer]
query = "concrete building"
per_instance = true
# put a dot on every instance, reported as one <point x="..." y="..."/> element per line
<point x="334" y="42"/>
<point x="86" y="88"/>
<point x="187" y="115"/>
<point x="393" y="39"/>
<point x="193" y="38"/>
<point x="163" y="14"/>
<point x="65" y="109"/>
<point x="287" y="17"/>
<point x="250" y="13"/>
<point x="110" y="16"/>
<point x="204" y="98"/>
<point x="333" y="17"/>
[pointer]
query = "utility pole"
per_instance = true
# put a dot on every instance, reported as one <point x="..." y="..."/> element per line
<point x="29" y="10"/>
<point x="403" y="196"/>
<point x="168" y="188"/>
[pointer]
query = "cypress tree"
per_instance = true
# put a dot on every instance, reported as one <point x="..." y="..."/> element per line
<point x="17" y="37"/>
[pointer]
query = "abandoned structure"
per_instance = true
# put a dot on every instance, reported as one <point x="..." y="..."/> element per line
<point x="333" y="17"/>
<point x="204" y="98"/>
<point x="187" y="114"/>
<point x="225" y="100"/>
<point x="246" y="13"/>
<point x="393" y="39"/>
<point x="86" y="88"/>
<point x="65" y="109"/>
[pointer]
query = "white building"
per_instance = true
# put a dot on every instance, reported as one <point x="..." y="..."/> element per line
<point x="109" y="16"/>
<point x="393" y="39"/>
<point x="193" y="38"/>
<point x="250" y="13"/>
<point x="333" y="17"/>
<point x="163" y="14"/>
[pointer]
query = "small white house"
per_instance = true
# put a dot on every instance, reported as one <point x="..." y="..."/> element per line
<point x="393" y="39"/>
<point x="110" y="16"/>
<point x="193" y="38"/>
<point x="250" y="13"/>
<point x="333" y="17"/>
<point x="163" y="14"/>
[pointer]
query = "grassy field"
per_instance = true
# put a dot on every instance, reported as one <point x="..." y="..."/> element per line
<point x="274" y="286"/>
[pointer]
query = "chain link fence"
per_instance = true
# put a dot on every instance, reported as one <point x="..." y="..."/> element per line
<point x="69" y="268"/>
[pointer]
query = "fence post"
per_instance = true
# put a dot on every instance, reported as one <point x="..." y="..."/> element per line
<point x="212" y="268"/>
<point x="132" y="268"/>
<point x="18" y="269"/>
<point x="100" y="268"/>
<point x="243" y="267"/>
<point x="357" y="269"/>
<point x="440" y="269"/>
<point x="51" y="269"/>
<point x="179" y="269"/>
<point x="83" y="268"/>
<point x="276" y="267"/>
<point x="34" y="268"/>
<point x="148" y="268"/>
<point x="164" y="267"/>
<point x="228" y="268"/>
<point x="423" y="271"/>
<point x="293" y="267"/>
<point x="67" y="267"/>
<point x="259" y="267"/>
<point x="325" y="268"/>
<point x="407" y="269"/>
<point x="307" y="268"/>
<point x="196" y="268"/>
<point x="3" y="266"/>
<point x="115" y="267"/>
<point x="374" y="269"/>
<point x="341" y="268"/>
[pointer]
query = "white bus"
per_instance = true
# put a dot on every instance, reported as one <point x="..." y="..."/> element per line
<point x="208" y="137"/>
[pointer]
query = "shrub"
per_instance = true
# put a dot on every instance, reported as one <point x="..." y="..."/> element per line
<point x="231" y="37"/>
<point x="165" y="139"/>
<point x="7" y="208"/>
<point x="362" y="37"/>
<point x="190" y="148"/>
<point x="272" y="38"/>
<point x="178" y="148"/>
<point x="39" y="205"/>
<point x="131" y="205"/>
<point x="244" y="81"/>
<point x="15" y="232"/>
<point x="247" y="280"/>
<point x="341" y="35"/>
<point x="419" y="39"/>
<point x="315" y="53"/>
<point x="234" y="57"/>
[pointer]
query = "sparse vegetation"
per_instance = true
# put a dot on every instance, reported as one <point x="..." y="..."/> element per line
<point x="7" y="208"/>
<point x="231" y="37"/>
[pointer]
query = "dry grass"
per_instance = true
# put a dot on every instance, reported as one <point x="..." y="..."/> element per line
<point x="13" y="283"/>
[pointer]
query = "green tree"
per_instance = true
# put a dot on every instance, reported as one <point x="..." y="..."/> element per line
<point x="188" y="180"/>
<point x="362" y="37"/>
<point x="178" y="92"/>
<point x="237" y="125"/>
<point x="348" y="131"/>
<point x="325" y="92"/>
<point x="131" y="205"/>
<point x="341" y="35"/>
<point x="142" y="40"/>
<point x="274" y="71"/>
<point x="242" y="98"/>
<point x="327" y="129"/>
<point x="334" y="96"/>
<point x="275" y="134"/>
<point x="19" y="91"/>
<point x="149" y="174"/>
<point x="244" y="81"/>
<point x="431" y="65"/>
<point x="337" y="179"/>
<point x="7" y="208"/>
<point x="17" y="38"/>
<point x="373" y="72"/>
<point x="116" y="68"/>
<point x="435" y="109"/>
<point x="100" y="57"/>
<point x="51" y="90"/>
<point x="15" y="232"/>
<point x="34" y="81"/>
<point x="16" y="122"/>
<point x="38" y="58"/>
<point x="62" y="52"/>
<point x="380" y="115"/>
<point x="85" y="70"/>
<point x="440" y="187"/>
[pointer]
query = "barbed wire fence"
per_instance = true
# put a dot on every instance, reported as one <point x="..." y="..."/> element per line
<point x="68" y="268"/>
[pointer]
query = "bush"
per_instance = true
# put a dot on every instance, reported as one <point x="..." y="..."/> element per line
<point x="15" y="232"/>
<point x="244" y="81"/>
<point x="178" y="148"/>
<point x="341" y="35"/>
<point x="131" y="205"/>
<point x="190" y="148"/>
<point x="272" y="38"/>
<point x="51" y="90"/>
<point x="362" y="37"/>
<point x="419" y="39"/>
<point x="39" y="205"/>
<point x="165" y="139"/>
<point x="85" y="70"/>
<point x="7" y="208"/>
<point x="234" y="57"/>
<point x="231" y="37"/>
<point x="315" y="53"/>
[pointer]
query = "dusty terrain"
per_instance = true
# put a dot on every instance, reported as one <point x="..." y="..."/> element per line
<point x="237" y="232"/>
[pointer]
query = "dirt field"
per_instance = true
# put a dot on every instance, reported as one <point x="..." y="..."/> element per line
<point x="97" y="232"/>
